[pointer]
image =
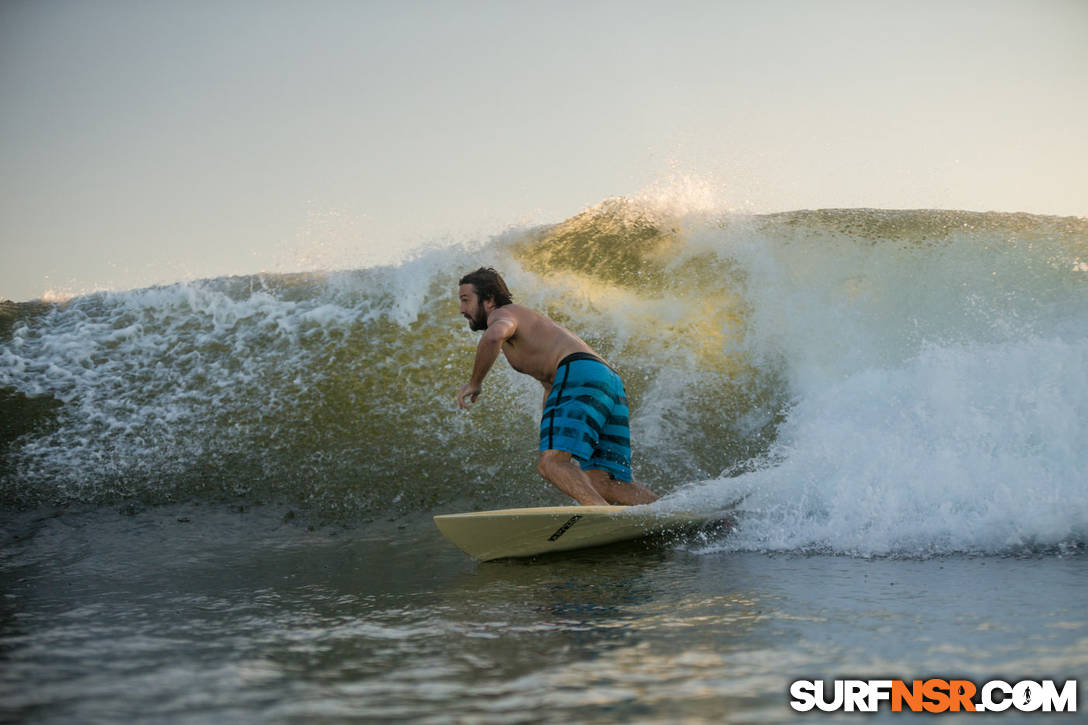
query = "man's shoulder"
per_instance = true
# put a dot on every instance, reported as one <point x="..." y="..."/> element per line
<point x="517" y="312"/>
<point x="504" y="315"/>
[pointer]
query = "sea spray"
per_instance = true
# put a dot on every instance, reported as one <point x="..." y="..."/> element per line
<point x="937" y="364"/>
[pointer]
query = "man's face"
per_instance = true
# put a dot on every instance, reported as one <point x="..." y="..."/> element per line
<point x="471" y="309"/>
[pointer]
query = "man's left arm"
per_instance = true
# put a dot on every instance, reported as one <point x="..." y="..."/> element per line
<point x="499" y="330"/>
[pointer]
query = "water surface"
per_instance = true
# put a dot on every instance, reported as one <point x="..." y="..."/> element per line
<point x="208" y="614"/>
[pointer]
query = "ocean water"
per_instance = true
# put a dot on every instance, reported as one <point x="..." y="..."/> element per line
<point x="216" y="495"/>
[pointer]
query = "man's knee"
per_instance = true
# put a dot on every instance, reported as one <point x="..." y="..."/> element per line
<point x="545" y="464"/>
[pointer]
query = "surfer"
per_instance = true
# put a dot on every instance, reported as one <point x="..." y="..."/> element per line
<point x="585" y="448"/>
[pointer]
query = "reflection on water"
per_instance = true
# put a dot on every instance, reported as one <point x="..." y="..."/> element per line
<point x="204" y="615"/>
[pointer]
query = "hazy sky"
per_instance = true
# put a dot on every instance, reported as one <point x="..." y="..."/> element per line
<point x="151" y="141"/>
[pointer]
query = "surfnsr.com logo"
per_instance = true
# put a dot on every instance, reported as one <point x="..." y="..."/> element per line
<point x="933" y="695"/>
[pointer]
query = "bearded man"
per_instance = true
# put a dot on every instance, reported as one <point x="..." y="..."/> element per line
<point x="585" y="439"/>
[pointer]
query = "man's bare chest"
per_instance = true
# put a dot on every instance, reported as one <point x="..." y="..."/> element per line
<point x="527" y="361"/>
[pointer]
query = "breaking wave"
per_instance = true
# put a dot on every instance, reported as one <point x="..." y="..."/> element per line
<point x="870" y="381"/>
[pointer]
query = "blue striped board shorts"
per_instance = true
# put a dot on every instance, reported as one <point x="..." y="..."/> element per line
<point x="586" y="415"/>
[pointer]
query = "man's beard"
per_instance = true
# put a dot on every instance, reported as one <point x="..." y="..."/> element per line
<point x="479" y="322"/>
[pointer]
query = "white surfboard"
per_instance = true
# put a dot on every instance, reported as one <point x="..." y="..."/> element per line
<point x="510" y="533"/>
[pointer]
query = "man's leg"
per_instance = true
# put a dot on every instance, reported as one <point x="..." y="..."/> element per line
<point x="566" y="475"/>
<point x="625" y="493"/>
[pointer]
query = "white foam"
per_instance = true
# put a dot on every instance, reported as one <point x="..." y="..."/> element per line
<point x="967" y="448"/>
<point x="940" y="399"/>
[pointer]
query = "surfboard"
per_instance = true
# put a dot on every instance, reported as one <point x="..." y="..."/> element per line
<point x="515" y="533"/>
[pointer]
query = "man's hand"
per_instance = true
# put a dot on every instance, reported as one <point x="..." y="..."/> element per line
<point x="469" y="391"/>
